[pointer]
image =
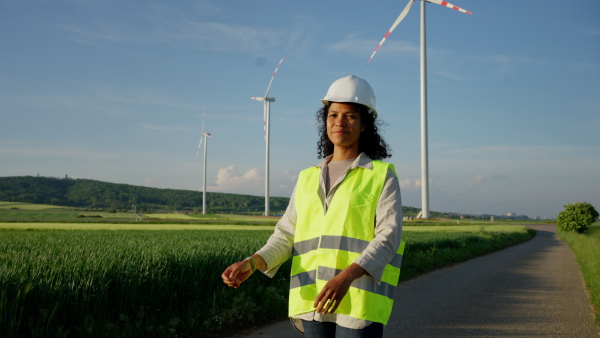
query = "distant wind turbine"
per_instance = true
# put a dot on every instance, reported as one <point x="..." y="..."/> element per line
<point x="424" y="156"/>
<point x="203" y="137"/>
<point x="266" y="123"/>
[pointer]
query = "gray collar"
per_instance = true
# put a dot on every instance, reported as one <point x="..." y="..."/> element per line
<point x="362" y="161"/>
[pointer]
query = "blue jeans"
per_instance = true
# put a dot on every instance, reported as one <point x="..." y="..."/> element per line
<point x="314" y="329"/>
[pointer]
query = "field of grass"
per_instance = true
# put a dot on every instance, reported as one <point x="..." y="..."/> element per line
<point x="465" y="228"/>
<point x="26" y="212"/>
<point x="126" y="283"/>
<point x="28" y="206"/>
<point x="243" y="218"/>
<point x="586" y="247"/>
<point x="139" y="283"/>
<point x="128" y="226"/>
<point x="169" y="216"/>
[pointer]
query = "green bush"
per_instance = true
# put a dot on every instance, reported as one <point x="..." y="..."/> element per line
<point x="577" y="217"/>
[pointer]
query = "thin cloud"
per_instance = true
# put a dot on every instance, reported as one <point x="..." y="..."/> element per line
<point x="212" y="36"/>
<point x="561" y="153"/>
<point x="216" y="36"/>
<point x="44" y="101"/>
<point x="505" y="61"/>
<point x="232" y="180"/>
<point x="98" y="32"/>
<point x="197" y="26"/>
<point x="165" y="128"/>
<point x="486" y="178"/>
<point x="451" y="76"/>
<point x="583" y="67"/>
<point x="412" y="183"/>
<point x="592" y="32"/>
<point x="207" y="7"/>
<point x="351" y="44"/>
<point x="57" y="152"/>
<point x="408" y="183"/>
<point x="140" y="96"/>
<point x="252" y="182"/>
<point x="99" y="101"/>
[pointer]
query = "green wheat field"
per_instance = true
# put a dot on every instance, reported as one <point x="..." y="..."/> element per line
<point x="163" y="280"/>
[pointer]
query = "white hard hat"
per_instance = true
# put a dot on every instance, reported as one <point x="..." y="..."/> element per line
<point x="352" y="89"/>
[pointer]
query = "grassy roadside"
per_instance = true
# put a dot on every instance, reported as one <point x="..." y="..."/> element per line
<point x="585" y="246"/>
<point x="442" y="246"/>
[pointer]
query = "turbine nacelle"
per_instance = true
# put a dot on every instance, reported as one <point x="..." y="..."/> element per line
<point x="270" y="99"/>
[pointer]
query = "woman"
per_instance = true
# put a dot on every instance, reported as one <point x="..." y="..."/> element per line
<point x="342" y="227"/>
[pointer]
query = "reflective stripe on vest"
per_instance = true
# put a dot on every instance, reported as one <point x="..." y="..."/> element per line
<point x="325" y="244"/>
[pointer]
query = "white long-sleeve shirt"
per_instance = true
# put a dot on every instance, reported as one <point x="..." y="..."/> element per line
<point x="380" y="251"/>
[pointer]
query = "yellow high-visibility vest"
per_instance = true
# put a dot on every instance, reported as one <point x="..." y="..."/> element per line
<point x="327" y="243"/>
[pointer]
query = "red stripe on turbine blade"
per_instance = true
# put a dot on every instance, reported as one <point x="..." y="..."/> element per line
<point x="279" y="64"/>
<point x="387" y="35"/>
<point x="449" y="5"/>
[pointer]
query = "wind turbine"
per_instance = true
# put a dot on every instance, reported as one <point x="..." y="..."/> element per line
<point x="266" y="123"/>
<point x="203" y="137"/>
<point x="424" y="155"/>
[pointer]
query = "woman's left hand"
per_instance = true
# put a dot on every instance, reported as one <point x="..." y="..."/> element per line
<point x="334" y="291"/>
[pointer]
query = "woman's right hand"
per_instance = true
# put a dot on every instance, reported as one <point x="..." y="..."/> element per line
<point x="237" y="273"/>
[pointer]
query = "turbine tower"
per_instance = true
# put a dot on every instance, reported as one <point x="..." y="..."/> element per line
<point x="424" y="146"/>
<point x="203" y="138"/>
<point x="266" y="123"/>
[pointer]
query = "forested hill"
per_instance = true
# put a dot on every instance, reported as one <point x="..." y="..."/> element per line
<point x="86" y="193"/>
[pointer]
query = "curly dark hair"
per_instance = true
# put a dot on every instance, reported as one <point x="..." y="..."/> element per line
<point x="370" y="142"/>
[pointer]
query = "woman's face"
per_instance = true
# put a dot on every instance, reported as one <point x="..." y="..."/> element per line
<point x="344" y="125"/>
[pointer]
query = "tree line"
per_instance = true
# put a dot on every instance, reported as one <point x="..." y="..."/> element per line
<point x="98" y="195"/>
<point x="92" y="194"/>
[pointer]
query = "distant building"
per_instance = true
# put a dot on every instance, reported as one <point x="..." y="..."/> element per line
<point x="511" y="214"/>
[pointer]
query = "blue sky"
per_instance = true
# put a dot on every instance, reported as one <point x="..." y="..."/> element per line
<point x="114" y="91"/>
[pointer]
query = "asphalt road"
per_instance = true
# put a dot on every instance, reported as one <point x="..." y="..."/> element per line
<point x="531" y="289"/>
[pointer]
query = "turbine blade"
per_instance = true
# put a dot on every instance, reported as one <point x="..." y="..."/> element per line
<point x="449" y="5"/>
<point x="272" y="77"/>
<point x="203" y="116"/>
<point x="398" y="20"/>
<point x="258" y="98"/>
<point x="202" y="134"/>
<point x="199" y="145"/>
<point x="265" y="120"/>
